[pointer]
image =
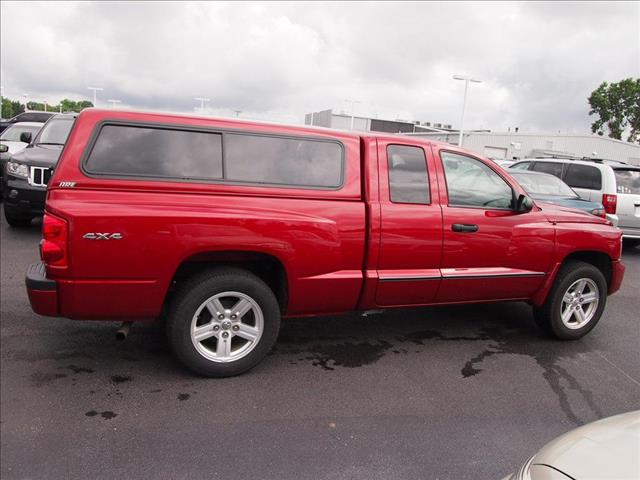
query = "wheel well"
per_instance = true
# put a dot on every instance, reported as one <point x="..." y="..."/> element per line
<point x="598" y="259"/>
<point x="267" y="267"/>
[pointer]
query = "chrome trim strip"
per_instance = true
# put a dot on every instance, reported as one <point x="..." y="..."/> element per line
<point x="495" y="275"/>
<point x="461" y="277"/>
<point x="402" y="279"/>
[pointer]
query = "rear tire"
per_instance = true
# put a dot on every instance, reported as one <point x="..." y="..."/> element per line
<point x="223" y="322"/>
<point x="575" y="303"/>
<point x="631" y="242"/>
<point x="16" y="220"/>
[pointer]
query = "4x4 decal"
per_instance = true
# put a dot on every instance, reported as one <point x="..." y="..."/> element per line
<point x="102" y="236"/>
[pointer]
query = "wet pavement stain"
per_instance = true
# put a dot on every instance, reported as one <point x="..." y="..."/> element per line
<point x="120" y="378"/>
<point x="509" y="335"/>
<point x="347" y="354"/>
<point x="107" y="415"/>
<point x="39" y="379"/>
<point x="76" y="369"/>
<point x="183" y="396"/>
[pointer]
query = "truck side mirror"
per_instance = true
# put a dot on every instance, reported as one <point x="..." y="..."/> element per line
<point x="25" y="137"/>
<point x="524" y="204"/>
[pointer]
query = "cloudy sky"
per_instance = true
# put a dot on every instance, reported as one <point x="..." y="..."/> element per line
<point x="538" y="61"/>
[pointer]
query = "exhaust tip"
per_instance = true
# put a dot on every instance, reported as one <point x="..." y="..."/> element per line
<point x="123" y="332"/>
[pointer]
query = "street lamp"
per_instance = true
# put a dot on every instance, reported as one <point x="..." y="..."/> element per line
<point x="466" y="79"/>
<point x="113" y="102"/>
<point x="202" y="101"/>
<point x="353" y="108"/>
<point x="95" y="94"/>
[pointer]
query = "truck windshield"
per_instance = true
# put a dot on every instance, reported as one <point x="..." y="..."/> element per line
<point x="627" y="181"/>
<point x="55" y="132"/>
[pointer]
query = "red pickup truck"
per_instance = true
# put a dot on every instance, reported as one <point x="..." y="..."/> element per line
<point x="223" y="227"/>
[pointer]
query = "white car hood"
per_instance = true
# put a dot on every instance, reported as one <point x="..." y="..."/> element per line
<point x="608" y="449"/>
<point x="14" y="147"/>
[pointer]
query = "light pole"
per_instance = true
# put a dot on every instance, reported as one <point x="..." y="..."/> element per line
<point x="353" y="108"/>
<point x="202" y="101"/>
<point x="95" y="94"/>
<point x="466" y="79"/>
<point x="237" y="112"/>
<point x="113" y="102"/>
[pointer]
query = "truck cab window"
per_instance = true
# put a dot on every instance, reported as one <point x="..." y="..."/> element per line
<point x="471" y="183"/>
<point x="408" y="178"/>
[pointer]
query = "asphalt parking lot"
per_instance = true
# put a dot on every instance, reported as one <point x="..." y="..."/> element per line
<point x="437" y="393"/>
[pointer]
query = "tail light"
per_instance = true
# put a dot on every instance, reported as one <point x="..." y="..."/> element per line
<point x="53" y="246"/>
<point x="610" y="203"/>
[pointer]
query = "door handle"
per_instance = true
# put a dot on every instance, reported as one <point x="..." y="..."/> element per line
<point x="464" y="227"/>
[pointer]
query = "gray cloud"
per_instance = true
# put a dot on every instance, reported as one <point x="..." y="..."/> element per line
<point x="538" y="61"/>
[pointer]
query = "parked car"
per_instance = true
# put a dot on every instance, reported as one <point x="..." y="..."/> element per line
<point x="32" y="116"/>
<point x="615" y="184"/>
<point x="18" y="135"/>
<point x="226" y="226"/>
<point x="27" y="172"/>
<point x="550" y="189"/>
<point x="607" y="449"/>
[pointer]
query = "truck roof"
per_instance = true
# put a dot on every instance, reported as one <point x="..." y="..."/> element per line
<point x="301" y="129"/>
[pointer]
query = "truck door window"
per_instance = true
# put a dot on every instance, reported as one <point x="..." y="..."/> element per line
<point x="471" y="183"/>
<point x="408" y="178"/>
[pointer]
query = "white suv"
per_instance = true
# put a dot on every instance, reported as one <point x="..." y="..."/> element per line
<point x="615" y="184"/>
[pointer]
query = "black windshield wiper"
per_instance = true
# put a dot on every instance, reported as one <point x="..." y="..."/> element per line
<point x="50" y="143"/>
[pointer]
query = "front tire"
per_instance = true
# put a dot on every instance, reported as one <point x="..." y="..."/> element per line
<point x="575" y="303"/>
<point x="223" y="322"/>
<point x="16" y="220"/>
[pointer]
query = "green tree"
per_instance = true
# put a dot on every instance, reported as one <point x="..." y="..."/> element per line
<point x="617" y="106"/>
<point x="73" y="106"/>
<point x="35" y="106"/>
<point x="11" y="108"/>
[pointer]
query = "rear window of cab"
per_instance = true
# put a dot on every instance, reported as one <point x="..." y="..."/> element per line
<point x="163" y="153"/>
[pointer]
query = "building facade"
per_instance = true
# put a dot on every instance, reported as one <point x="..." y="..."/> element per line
<point x="510" y="146"/>
<point x="344" y="121"/>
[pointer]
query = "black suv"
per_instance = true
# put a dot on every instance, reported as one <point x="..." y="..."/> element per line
<point x="28" y="172"/>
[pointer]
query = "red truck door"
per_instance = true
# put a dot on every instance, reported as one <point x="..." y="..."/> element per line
<point x="490" y="252"/>
<point x="411" y="225"/>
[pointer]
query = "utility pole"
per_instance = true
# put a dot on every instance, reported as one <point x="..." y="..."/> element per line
<point x="113" y="102"/>
<point x="95" y="94"/>
<point x="466" y="79"/>
<point x="353" y="108"/>
<point x="237" y="112"/>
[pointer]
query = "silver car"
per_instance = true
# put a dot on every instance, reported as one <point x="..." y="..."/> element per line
<point x="614" y="184"/>
<point x="608" y="449"/>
